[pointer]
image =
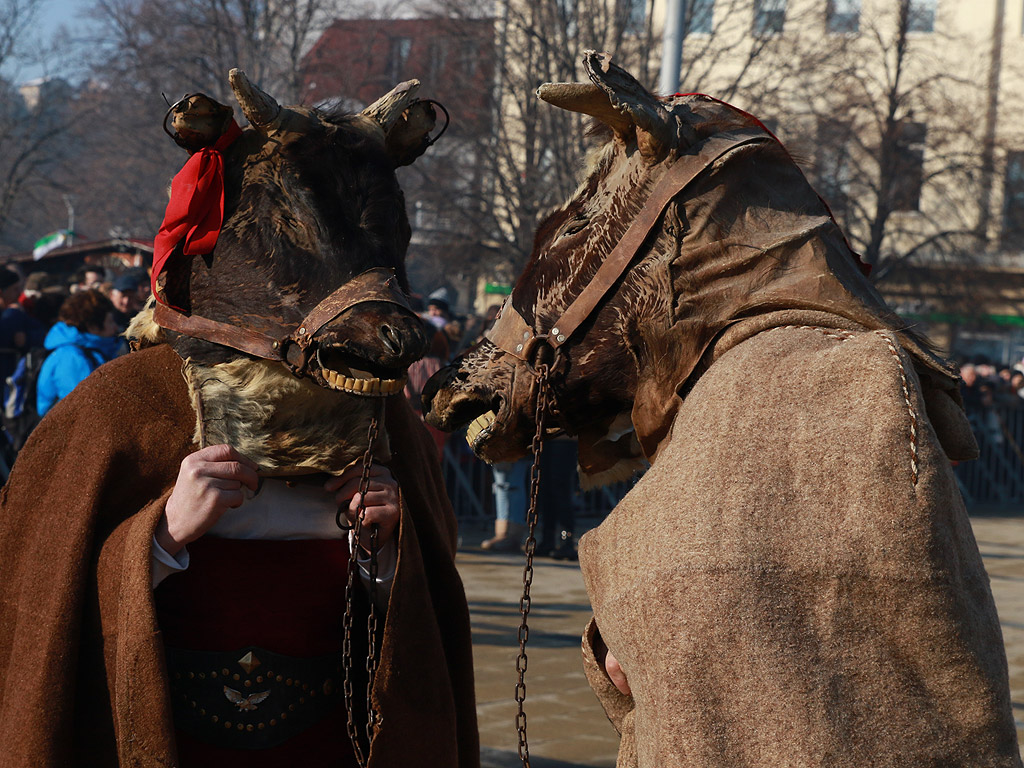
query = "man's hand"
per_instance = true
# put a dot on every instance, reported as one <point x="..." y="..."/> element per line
<point x="382" y="500"/>
<point x="209" y="483"/>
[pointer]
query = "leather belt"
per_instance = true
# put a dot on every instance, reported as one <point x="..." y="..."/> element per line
<point x="251" y="698"/>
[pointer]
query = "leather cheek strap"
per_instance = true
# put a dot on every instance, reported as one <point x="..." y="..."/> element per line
<point x="377" y="284"/>
<point x="511" y="332"/>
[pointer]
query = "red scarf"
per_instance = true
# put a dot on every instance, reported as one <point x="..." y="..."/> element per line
<point x="195" y="211"/>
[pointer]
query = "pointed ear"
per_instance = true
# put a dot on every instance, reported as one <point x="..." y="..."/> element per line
<point x="406" y="122"/>
<point x="409" y="137"/>
<point x="656" y="132"/>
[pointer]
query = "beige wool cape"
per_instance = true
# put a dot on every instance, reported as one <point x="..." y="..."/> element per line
<point x="794" y="582"/>
<point x="82" y="674"/>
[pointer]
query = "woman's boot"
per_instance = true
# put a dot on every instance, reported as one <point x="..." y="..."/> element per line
<point x="507" y="537"/>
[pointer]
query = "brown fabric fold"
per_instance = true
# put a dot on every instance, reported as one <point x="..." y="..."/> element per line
<point x="810" y="592"/>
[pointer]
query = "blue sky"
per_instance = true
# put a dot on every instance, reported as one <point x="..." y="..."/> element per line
<point x="53" y="15"/>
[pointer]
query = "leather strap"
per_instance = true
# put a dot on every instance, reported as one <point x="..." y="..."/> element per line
<point x="511" y="332"/>
<point x="377" y="284"/>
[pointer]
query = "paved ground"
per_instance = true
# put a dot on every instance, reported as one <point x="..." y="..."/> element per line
<point x="567" y="728"/>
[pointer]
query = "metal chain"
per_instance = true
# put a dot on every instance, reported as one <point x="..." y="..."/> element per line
<point x="531" y="546"/>
<point x="371" y="622"/>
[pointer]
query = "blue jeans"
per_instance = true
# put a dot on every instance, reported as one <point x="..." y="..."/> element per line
<point x="511" y="483"/>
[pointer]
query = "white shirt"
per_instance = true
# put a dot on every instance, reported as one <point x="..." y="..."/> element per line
<point x="284" y="511"/>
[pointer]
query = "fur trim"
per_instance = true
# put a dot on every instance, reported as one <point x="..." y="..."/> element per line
<point x="142" y="330"/>
<point x="285" y="424"/>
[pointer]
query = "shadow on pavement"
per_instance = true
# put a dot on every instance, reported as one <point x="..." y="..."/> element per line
<point x="499" y="758"/>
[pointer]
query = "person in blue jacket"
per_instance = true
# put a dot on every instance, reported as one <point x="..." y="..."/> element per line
<point x="84" y="338"/>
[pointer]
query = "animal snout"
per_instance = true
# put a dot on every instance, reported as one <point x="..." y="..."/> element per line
<point x="392" y="339"/>
<point x="403" y="339"/>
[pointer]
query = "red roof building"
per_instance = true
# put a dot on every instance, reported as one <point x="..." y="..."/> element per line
<point x="359" y="60"/>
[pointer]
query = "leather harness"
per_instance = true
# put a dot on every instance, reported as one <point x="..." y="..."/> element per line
<point x="294" y="349"/>
<point x="512" y="334"/>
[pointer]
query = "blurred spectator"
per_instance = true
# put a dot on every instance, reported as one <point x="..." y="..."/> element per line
<point x="969" y="377"/>
<point x="511" y="496"/>
<point x="124" y="295"/>
<point x="558" y="462"/>
<point x="1017" y="383"/>
<point x="46" y="308"/>
<point x="15" y="324"/>
<point x="435" y="359"/>
<point x="84" y="338"/>
<point x="439" y="308"/>
<point x="88" y="278"/>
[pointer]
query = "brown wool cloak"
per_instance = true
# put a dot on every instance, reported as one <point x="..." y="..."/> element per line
<point x="82" y="676"/>
<point x="795" y="582"/>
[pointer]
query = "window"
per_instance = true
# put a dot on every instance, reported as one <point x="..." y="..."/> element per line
<point x="699" y="15"/>
<point x="833" y="164"/>
<point x="769" y="16"/>
<point x="908" y="166"/>
<point x="469" y="57"/>
<point x="397" y="56"/>
<point x="1013" y="202"/>
<point x="921" y="15"/>
<point x="437" y="55"/>
<point x="842" y="16"/>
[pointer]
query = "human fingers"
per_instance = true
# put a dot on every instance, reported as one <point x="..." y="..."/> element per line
<point x="616" y="674"/>
<point x="377" y="492"/>
<point x="229" y="471"/>
<point x="224" y="452"/>
<point x="385" y="512"/>
<point x="354" y="473"/>
<point x="225" y="485"/>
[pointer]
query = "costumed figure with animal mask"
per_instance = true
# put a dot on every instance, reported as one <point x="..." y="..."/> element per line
<point x="233" y="546"/>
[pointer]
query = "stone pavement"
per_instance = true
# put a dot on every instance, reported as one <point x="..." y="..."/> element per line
<point x="567" y="728"/>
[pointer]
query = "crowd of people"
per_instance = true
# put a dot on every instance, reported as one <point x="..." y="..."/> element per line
<point x="986" y="384"/>
<point x="994" y="402"/>
<point x="53" y="334"/>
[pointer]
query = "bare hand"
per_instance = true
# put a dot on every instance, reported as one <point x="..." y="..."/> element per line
<point x="382" y="500"/>
<point x="209" y="483"/>
<point x="615" y="673"/>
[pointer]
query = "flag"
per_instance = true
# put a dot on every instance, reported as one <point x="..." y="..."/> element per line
<point x="46" y="244"/>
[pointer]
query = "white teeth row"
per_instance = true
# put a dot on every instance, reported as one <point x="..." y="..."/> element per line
<point x="371" y="387"/>
<point x="478" y="425"/>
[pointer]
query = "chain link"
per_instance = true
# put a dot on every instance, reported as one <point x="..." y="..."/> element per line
<point x="371" y="621"/>
<point x="531" y="547"/>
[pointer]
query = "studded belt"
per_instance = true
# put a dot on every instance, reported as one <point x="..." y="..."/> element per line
<point x="251" y="698"/>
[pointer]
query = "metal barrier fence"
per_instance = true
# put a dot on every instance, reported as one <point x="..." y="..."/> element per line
<point x="469" y="486"/>
<point x="997" y="476"/>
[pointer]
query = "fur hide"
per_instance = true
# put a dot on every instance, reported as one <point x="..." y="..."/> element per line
<point x="285" y="424"/>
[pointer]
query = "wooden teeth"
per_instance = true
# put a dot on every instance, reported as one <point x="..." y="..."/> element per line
<point x="478" y="425"/>
<point x="370" y="387"/>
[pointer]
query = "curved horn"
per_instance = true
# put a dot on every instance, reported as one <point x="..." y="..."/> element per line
<point x="656" y="131"/>
<point x="386" y="110"/>
<point x="259" y="108"/>
<point x="587" y="99"/>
